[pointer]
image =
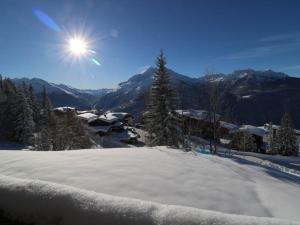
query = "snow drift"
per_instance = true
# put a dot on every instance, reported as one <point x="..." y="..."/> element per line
<point x="39" y="202"/>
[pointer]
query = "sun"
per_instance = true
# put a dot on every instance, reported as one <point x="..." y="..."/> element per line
<point x="78" y="46"/>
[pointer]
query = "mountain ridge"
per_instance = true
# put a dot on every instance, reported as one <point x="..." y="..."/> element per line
<point x="246" y="96"/>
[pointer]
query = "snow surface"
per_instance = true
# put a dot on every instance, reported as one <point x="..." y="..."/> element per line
<point x="88" y="116"/>
<point x="252" y="130"/>
<point x="108" y="117"/>
<point x="59" y="204"/>
<point x="163" y="175"/>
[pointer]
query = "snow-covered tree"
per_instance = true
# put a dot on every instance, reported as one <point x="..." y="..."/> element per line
<point x="24" y="124"/>
<point x="244" y="141"/>
<point x="33" y="104"/>
<point x="71" y="133"/>
<point x="162" y="122"/>
<point x="213" y="107"/>
<point x="271" y="140"/>
<point x="8" y="107"/>
<point x="44" y="140"/>
<point x="47" y="117"/>
<point x="286" y="141"/>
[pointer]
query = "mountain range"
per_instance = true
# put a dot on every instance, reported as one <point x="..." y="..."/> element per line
<point x="64" y="95"/>
<point x="246" y="96"/>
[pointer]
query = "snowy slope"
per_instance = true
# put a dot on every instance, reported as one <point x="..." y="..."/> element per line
<point x="64" y="95"/>
<point x="38" y="202"/>
<point x="167" y="176"/>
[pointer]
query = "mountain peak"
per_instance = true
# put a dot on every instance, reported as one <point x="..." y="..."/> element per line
<point x="149" y="70"/>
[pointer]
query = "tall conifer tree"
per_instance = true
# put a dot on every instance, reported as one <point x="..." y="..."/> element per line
<point x="286" y="141"/>
<point x="162" y="125"/>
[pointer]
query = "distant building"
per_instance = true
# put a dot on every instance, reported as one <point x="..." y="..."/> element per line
<point x="87" y="117"/>
<point x="61" y="111"/>
<point x="257" y="132"/>
<point x="275" y="129"/>
<point x="196" y="122"/>
<point x="125" y="118"/>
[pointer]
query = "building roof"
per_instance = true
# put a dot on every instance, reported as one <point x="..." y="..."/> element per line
<point x="196" y="114"/>
<point x="251" y="129"/>
<point x="89" y="117"/>
<point x="64" y="109"/>
<point x="119" y="115"/>
<point x="108" y="117"/>
<point x="276" y="127"/>
<point x="229" y="126"/>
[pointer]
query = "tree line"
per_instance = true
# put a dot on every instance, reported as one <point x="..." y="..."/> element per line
<point x="25" y="119"/>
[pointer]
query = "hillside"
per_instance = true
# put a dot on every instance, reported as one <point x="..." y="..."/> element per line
<point x="63" y="95"/>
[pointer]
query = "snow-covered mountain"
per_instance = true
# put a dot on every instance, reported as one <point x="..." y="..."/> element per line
<point x="247" y="96"/>
<point x="132" y="94"/>
<point x="63" y="95"/>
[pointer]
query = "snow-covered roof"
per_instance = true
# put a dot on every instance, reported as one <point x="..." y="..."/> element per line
<point x="251" y="129"/>
<point x="89" y="117"/>
<point x="229" y="126"/>
<point x="108" y="117"/>
<point x="119" y="115"/>
<point x="225" y="141"/>
<point x="196" y="114"/>
<point x="276" y="127"/>
<point x="64" y="109"/>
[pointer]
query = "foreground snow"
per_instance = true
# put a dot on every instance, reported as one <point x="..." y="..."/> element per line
<point x="38" y="202"/>
<point x="162" y="175"/>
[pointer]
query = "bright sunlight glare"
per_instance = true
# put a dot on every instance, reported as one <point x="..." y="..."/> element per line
<point x="77" y="46"/>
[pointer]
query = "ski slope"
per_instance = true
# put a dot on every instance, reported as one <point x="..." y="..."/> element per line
<point x="164" y="176"/>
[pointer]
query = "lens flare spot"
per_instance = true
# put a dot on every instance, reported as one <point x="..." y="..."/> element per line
<point x="96" y="61"/>
<point x="46" y="20"/>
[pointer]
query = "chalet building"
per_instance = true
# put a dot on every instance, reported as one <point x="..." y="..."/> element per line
<point x="225" y="128"/>
<point x="225" y="131"/>
<point x="106" y="123"/>
<point x="196" y="122"/>
<point x="275" y="129"/>
<point x="62" y="111"/>
<point x="257" y="132"/>
<point x="94" y="111"/>
<point x="125" y="118"/>
<point x="87" y="117"/>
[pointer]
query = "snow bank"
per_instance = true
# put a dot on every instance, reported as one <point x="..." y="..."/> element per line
<point x="167" y="176"/>
<point x="39" y="202"/>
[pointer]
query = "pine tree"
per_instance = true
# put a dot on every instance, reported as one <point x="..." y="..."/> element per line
<point x="81" y="138"/>
<point x="47" y="115"/>
<point x="9" y="104"/>
<point x="271" y="141"/>
<point x="162" y="124"/>
<point x="244" y="141"/>
<point x="71" y="134"/>
<point x="47" y="135"/>
<point x="286" y="140"/>
<point x="1" y="82"/>
<point x="33" y="104"/>
<point x="24" y="125"/>
<point x="43" y="140"/>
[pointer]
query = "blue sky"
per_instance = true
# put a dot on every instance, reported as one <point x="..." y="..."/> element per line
<point x="215" y="35"/>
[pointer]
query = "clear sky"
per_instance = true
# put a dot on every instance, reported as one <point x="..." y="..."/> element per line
<point x="126" y="35"/>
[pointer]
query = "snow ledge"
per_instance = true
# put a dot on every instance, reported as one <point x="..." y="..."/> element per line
<point x="39" y="202"/>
